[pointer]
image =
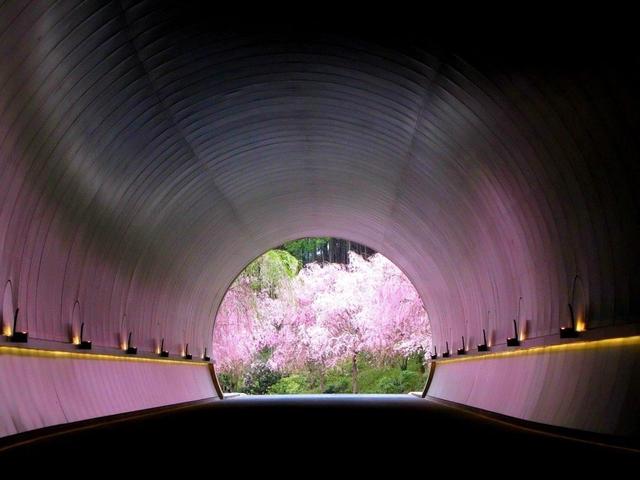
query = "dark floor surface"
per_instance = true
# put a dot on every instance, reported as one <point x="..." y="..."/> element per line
<point x="314" y="436"/>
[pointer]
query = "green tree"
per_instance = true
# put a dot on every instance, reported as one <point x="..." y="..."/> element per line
<point x="308" y="250"/>
<point x="270" y="271"/>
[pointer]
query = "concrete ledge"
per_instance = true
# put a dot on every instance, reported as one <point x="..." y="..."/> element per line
<point x="40" y="389"/>
<point x="547" y="385"/>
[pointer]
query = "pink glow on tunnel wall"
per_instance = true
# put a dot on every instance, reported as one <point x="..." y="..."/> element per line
<point x="40" y="391"/>
<point x="546" y="386"/>
<point x="141" y="171"/>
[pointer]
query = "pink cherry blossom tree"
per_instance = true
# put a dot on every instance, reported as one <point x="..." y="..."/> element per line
<point x="235" y="335"/>
<point x="325" y="315"/>
<point x="401" y="324"/>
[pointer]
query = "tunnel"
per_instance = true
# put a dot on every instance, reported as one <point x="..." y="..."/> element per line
<point x="150" y="150"/>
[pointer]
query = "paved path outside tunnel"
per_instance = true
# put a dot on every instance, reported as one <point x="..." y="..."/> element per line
<point x="262" y="432"/>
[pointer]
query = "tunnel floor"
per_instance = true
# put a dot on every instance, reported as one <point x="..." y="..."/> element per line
<point x="359" y="429"/>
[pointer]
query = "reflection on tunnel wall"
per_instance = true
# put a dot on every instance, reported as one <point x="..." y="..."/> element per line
<point x="39" y="388"/>
<point x="144" y="162"/>
<point x="547" y="384"/>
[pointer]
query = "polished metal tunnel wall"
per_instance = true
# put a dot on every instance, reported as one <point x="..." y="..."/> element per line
<point x="147" y="155"/>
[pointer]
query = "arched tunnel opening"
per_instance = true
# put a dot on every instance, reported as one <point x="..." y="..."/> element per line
<point x="321" y="316"/>
<point x="148" y="150"/>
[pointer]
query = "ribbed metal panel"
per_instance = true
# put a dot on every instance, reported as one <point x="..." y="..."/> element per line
<point x="593" y="387"/>
<point x="147" y="155"/>
<point x="40" y="389"/>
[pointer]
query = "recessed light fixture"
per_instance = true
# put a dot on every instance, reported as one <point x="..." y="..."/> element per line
<point x="84" y="344"/>
<point x="131" y="350"/>
<point x="18" y="337"/>
<point x="463" y="350"/>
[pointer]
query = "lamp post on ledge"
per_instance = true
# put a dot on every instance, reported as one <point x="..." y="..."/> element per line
<point x="84" y="344"/>
<point x="16" y="336"/>
<point x="163" y="352"/>
<point x="514" y="341"/>
<point x="463" y="350"/>
<point x="131" y="350"/>
<point x="571" y="331"/>
<point x="483" y="347"/>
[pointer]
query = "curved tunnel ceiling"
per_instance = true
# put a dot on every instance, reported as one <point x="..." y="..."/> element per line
<point x="147" y="158"/>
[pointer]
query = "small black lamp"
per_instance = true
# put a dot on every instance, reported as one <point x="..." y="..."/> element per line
<point x="447" y="353"/>
<point x="163" y="352"/>
<point x="483" y="347"/>
<point x="514" y="341"/>
<point x="187" y="355"/>
<point x="435" y="353"/>
<point x="131" y="350"/>
<point x="570" y="332"/>
<point x="463" y="350"/>
<point x="205" y="357"/>
<point x="84" y="344"/>
<point x="18" y="337"/>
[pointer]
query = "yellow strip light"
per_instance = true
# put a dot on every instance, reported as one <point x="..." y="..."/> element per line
<point x="561" y="348"/>
<point x="34" y="352"/>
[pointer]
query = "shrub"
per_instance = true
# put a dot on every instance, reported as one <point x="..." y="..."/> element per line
<point x="389" y="385"/>
<point x="402" y="382"/>
<point x="259" y="378"/>
<point x="341" y="385"/>
<point x="290" y="385"/>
